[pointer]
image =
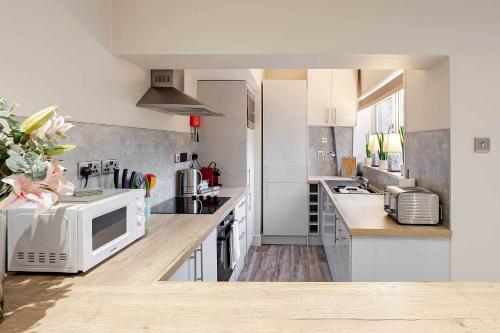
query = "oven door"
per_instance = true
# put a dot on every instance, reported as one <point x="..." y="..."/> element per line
<point x="106" y="227"/>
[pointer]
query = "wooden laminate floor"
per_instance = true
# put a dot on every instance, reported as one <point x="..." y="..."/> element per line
<point x="286" y="263"/>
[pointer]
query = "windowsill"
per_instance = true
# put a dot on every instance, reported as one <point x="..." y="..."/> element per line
<point x="395" y="174"/>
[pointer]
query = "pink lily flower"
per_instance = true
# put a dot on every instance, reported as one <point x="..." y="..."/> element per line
<point x="56" y="181"/>
<point x="23" y="190"/>
<point x="56" y="127"/>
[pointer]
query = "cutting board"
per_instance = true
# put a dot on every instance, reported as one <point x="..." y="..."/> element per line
<point x="348" y="166"/>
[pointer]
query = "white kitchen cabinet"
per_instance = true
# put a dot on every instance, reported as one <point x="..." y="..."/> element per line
<point x="240" y="218"/>
<point x="209" y="254"/>
<point x="342" y="251"/>
<point x="327" y="222"/>
<point x="319" y="97"/>
<point x="186" y="271"/>
<point x="332" y="97"/>
<point x="285" y="188"/>
<point x="285" y="209"/>
<point x="202" y="264"/>
<point x="380" y="259"/>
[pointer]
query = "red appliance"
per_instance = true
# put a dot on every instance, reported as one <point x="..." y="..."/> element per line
<point x="211" y="173"/>
<point x="195" y="122"/>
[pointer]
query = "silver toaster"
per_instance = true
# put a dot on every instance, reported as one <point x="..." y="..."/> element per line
<point x="412" y="205"/>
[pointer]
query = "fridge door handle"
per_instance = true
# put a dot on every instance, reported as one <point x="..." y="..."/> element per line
<point x="265" y="192"/>
<point x="266" y="177"/>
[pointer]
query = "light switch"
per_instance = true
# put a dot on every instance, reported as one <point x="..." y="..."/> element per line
<point x="324" y="140"/>
<point x="482" y="145"/>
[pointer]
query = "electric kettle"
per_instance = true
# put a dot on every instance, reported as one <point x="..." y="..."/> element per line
<point x="187" y="182"/>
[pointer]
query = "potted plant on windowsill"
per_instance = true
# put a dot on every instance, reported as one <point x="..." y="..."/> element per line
<point x="373" y="147"/>
<point x="384" y="164"/>
<point x="29" y="168"/>
<point x="368" y="160"/>
<point x="402" y="133"/>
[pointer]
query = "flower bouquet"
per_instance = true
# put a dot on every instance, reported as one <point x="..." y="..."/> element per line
<point x="29" y="168"/>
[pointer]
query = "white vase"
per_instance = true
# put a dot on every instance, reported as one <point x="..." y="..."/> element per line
<point x="383" y="165"/>
<point x="368" y="161"/>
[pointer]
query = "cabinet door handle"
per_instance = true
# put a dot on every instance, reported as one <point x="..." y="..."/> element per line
<point x="335" y="116"/>
<point x="243" y="234"/>
<point x="328" y="114"/>
<point x="200" y="251"/>
<point x="241" y="204"/>
<point x="193" y="259"/>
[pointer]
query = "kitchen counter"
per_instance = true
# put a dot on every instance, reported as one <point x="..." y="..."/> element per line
<point x="254" y="307"/>
<point x="126" y="293"/>
<point x="318" y="179"/>
<point x="168" y="243"/>
<point x="364" y="215"/>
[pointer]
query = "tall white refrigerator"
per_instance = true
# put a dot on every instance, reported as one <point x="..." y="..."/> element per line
<point x="285" y="188"/>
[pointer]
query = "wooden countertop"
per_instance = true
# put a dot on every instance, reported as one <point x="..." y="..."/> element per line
<point x="168" y="243"/>
<point x="318" y="179"/>
<point x="364" y="215"/>
<point x="255" y="307"/>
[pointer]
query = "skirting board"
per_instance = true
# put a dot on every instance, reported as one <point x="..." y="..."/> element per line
<point x="256" y="240"/>
<point x="291" y="240"/>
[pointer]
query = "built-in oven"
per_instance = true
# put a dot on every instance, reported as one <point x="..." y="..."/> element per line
<point x="225" y="248"/>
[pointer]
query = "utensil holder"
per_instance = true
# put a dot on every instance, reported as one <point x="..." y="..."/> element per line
<point x="147" y="207"/>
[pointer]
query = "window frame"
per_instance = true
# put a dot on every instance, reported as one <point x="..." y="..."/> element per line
<point x="398" y="112"/>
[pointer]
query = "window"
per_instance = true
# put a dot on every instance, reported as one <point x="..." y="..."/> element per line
<point x="388" y="114"/>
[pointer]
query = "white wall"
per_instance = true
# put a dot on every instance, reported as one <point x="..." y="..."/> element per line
<point x="363" y="127"/>
<point x="59" y="52"/>
<point x="316" y="34"/>
<point x="370" y="78"/>
<point x="427" y="98"/>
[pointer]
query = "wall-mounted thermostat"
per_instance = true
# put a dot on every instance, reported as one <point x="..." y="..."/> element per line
<point x="482" y="145"/>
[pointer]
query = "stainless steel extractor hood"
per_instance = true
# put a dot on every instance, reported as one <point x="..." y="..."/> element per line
<point x="166" y="95"/>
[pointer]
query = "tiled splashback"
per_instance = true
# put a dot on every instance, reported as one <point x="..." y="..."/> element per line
<point x="137" y="149"/>
<point x="428" y="161"/>
<point x="339" y="141"/>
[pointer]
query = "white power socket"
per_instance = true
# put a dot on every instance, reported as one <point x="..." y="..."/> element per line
<point x="95" y="166"/>
<point x="108" y="166"/>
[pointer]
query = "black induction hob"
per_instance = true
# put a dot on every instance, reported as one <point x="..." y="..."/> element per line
<point x="189" y="205"/>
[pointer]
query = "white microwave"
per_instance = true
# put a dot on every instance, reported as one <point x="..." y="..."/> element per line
<point x="73" y="237"/>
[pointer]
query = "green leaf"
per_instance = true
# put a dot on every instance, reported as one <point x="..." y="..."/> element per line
<point x="39" y="170"/>
<point x="5" y="125"/>
<point x="16" y="163"/>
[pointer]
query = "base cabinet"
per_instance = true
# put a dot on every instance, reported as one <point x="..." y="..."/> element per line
<point x="380" y="259"/>
<point x="202" y="264"/>
<point x="240" y="218"/>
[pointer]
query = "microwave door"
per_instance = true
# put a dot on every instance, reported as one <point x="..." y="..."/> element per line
<point x="105" y="229"/>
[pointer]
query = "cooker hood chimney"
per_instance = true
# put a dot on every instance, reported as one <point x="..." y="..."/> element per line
<point x="166" y="95"/>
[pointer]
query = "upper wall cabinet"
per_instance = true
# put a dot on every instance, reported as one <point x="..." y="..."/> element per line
<point x="332" y="97"/>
